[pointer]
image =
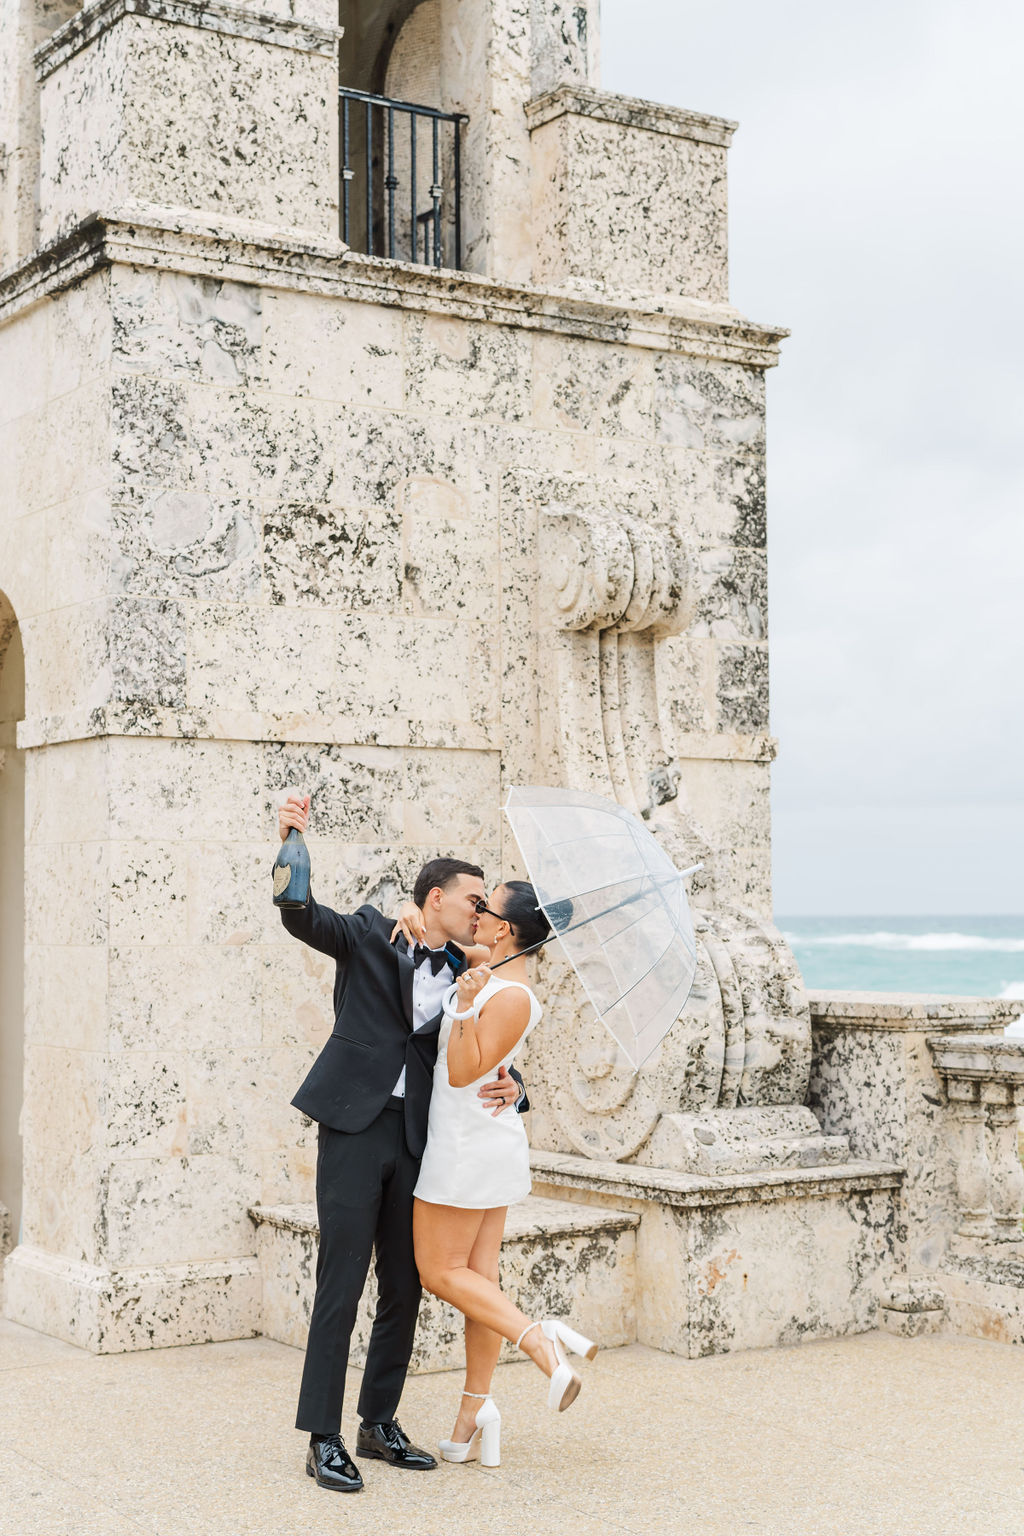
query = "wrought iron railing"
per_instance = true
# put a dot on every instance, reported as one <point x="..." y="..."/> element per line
<point x="388" y="206"/>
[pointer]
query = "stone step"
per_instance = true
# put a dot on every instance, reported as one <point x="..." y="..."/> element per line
<point x="558" y="1260"/>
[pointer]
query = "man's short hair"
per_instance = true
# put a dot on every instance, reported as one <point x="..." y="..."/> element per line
<point x="441" y="872"/>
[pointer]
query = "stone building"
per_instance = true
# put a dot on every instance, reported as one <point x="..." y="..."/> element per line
<point x="375" y="421"/>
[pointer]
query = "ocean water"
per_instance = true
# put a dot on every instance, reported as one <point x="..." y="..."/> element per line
<point x="963" y="956"/>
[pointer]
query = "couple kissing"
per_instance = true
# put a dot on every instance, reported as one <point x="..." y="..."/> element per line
<point x="421" y="1149"/>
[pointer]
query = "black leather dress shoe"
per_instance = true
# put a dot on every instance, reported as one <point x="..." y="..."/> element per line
<point x="332" y="1466"/>
<point x="389" y="1442"/>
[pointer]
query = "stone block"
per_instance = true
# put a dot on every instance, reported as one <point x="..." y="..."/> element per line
<point x="350" y="354"/>
<point x="751" y="1260"/>
<point x="185" y="543"/>
<point x="66" y="996"/>
<point x="176" y="324"/>
<point x="191" y="996"/>
<point x="110" y="1311"/>
<point x="558" y="1260"/>
<point x="236" y="117"/>
<point x="873" y="1080"/>
<point x="171" y="790"/>
<point x="80" y="561"/>
<point x="469" y="370"/>
<point x="628" y="196"/>
<point x="709" y="406"/>
<point x="912" y="1308"/>
<point x="985" y="1294"/>
<point x="67" y="894"/>
<point x="170" y="1210"/>
<point x="589" y="386"/>
<point x="296" y="998"/>
<point x="322" y="556"/>
<point x="149" y="893"/>
<point x="451" y="796"/>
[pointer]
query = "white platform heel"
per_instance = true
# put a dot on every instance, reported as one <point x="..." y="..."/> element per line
<point x="484" y="1442"/>
<point x="565" y="1385"/>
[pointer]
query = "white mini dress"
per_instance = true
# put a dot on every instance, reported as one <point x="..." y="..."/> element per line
<point x="474" y="1159"/>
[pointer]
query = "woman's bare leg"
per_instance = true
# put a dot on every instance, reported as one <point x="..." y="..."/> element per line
<point x="444" y="1236"/>
<point x="483" y="1345"/>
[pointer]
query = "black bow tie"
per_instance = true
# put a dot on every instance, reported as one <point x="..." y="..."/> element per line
<point x="438" y="958"/>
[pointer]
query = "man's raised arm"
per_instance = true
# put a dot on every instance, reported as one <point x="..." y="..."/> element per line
<point x="333" y="933"/>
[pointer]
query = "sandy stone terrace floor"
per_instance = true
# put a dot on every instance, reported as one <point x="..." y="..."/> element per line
<point x="866" y="1435"/>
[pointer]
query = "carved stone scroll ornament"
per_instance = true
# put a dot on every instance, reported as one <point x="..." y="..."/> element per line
<point x="742" y="1040"/>
<point x="612" y="585"/>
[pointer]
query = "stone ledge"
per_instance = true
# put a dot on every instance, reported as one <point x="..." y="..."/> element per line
<point x="628" y="112"/>
<point x="168" y="240"/>
<point x="910" y="1011"/>
<point x="142" y="719"/>
<point x="93" y="20"/>
<point x="688" y="1190"/>
<point x="558" y="1260"/>
<point x="533" y="1217"/>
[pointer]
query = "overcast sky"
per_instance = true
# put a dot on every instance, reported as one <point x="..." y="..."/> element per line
<point x="875" y="192"/>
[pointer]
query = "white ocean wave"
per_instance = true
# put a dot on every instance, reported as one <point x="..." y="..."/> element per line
<point x="909" y="941"/>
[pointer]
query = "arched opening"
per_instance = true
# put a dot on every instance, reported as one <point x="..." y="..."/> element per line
<point x="400" y="189"/>
<point x="12" y="918"/>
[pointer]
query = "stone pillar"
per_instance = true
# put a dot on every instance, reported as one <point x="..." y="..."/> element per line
<point x="629" y="196"/>
<point x="194" y="105"/>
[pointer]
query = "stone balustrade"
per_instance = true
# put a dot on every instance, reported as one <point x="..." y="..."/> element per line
<point x="984" y="1082"/>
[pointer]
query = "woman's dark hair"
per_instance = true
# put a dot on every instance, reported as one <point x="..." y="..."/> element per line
<point x="520" y="910"/>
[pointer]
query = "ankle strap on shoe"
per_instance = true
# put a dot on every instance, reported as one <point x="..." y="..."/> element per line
<point x="483" y="1395"/>
<point x="525" y="1331"/>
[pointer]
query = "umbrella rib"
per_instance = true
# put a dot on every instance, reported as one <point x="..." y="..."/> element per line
<point x="550" y="901"/>
<point x="634" y="984"/>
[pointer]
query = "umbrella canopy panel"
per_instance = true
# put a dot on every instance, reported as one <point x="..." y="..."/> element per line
<point x="618" y="905"/>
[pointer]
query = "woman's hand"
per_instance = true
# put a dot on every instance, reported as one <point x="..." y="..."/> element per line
<point x="471" y="984"/>
<point x="409" y="922"/>
<point x="294" y="813"/>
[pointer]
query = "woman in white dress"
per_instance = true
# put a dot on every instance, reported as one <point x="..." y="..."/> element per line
<point x="476" y="1164"/>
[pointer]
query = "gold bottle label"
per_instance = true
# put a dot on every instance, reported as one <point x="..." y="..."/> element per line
<point x="282" y="878"/>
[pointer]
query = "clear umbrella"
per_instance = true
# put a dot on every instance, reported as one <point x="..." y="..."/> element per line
<point x="618" y="906"/>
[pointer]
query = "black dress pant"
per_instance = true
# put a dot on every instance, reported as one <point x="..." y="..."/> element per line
<point x="364" y="1185"/>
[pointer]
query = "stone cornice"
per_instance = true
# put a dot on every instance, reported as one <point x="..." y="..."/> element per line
<point x="629" y="112"/>
<point x="178" y="240"/>
<point x="910" y="1011"/>
<point x="983" y="1058"/>
<point x="209" y="15"/>
<point x="629" y="1181"/>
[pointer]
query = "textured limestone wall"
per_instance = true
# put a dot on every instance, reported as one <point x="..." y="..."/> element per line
<point x="281" y="516"/>
<point x="297" y="538"/>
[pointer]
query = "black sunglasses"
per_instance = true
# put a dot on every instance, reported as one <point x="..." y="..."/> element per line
<point x="481" y="907"/>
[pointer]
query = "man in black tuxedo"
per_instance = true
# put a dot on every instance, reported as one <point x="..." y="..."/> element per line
<point x="369" y="1089"/>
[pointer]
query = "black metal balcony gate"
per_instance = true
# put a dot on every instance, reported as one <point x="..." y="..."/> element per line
<point x="383" y="171"/>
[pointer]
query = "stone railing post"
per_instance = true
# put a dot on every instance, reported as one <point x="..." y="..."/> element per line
<point x="973" y="1170"/>
<point x="1007" y="1171"/>
<point x="984" y="1081"/>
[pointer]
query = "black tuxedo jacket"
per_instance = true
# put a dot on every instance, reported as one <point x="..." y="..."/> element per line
<point x="373" y="1037"/>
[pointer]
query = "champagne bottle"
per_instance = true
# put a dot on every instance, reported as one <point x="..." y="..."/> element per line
<point x="291" y="872"/>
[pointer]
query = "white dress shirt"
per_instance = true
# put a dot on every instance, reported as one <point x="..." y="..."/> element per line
<point x="428" y="993"/>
